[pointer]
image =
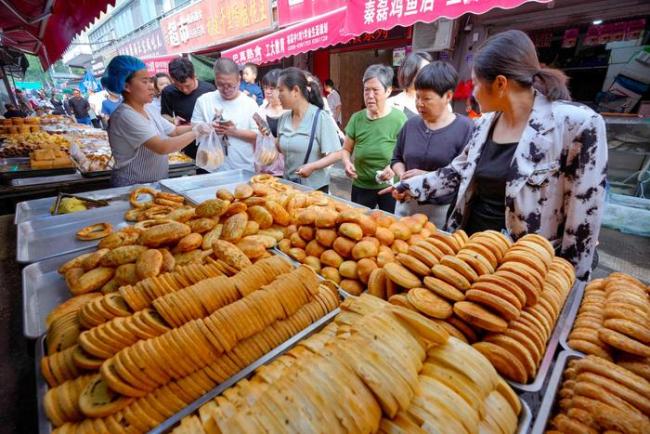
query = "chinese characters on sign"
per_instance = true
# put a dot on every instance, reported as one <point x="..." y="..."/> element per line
<point x="385" y="14"/>
<point x="145" y="44"/>
<point x="309" y="35"/>
<point x="213" y="22"/>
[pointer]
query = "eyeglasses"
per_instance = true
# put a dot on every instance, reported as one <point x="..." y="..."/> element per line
<point x="227" y="86"/>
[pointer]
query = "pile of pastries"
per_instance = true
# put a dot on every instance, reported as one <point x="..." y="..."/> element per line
<point x="614" y="322"/>
<point x="409" y="376"/>
<point x="600" y="396"/>
<point x="20" y="125"/>
<point x="49" y="159"/>
<point x="21" y="145"/>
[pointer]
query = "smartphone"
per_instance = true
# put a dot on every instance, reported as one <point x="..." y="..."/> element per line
<point x="262" y="124"/>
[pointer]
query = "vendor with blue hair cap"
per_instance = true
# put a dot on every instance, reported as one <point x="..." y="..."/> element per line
<point x="139" y="136"/>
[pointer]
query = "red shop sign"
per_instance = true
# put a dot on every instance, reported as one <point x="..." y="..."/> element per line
<point x="294" y="11"/>
<point x="209" y="23"/>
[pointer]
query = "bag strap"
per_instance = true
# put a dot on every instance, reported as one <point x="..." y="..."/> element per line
<point x="311" y="137"/>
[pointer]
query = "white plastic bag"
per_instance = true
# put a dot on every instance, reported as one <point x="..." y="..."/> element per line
<point x="210" y="155"/>
<point x="265" y="150"/>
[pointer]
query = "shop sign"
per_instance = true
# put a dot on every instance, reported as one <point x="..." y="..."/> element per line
<point x="209" y="23"/>
<point x="310" y="35"/>
<point x="158" y="64"/>
<point x="369" y="15"/>
<point x="144" y="44"/>
<point x="293" y="11"/>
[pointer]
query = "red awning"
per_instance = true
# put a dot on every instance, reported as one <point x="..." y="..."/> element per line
<point x="367" y="16"/>
<point x="318" y="32"/>
<point x="46" y="27"/>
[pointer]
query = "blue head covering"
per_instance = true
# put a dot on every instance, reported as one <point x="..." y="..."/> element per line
<point x="119" y="70"/>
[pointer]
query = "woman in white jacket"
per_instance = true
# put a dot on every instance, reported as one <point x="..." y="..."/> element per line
<point x="536" y="163"/>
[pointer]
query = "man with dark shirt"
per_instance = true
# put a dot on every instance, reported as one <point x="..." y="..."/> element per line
<point x="79" y="106"/>
<point x="13" y="112"/>
<point x="177" y="101"/>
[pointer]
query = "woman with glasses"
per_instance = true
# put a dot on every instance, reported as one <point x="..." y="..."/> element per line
<point x="140" y="137"/>
<point x="371" y="135"/>
<point x="307" y="136"/>
<point x="234" y="112"/>
<point x="271" y="109"/>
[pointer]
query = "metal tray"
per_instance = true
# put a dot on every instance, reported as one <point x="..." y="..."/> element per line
<point x="184" y="183"/>
<point x="43" y="290"/>
<point x="42" y="239"/>
<point x="44" y="425"/>
<point x="525" y="417"/>
<point x="36" y="208"/>
<point x="167" y="425"/>
<point x="548" y="403"/>
<point x="567" y="326"/>
<point x="544" y="368"/>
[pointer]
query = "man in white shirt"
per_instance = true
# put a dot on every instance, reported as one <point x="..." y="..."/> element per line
<point x="237" y="112"/>
<point x="334" y="101"/>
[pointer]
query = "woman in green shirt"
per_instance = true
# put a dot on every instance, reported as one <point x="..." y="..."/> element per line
<point x="371" y="135"/>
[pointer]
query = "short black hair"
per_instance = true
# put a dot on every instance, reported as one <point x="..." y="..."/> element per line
<point x="270" y="79"/>
<point x="437" y="76"/>
<point x="181" y="69"/>
<point x="329" y="82"/>
<point x="252" y="67"/>
<point x="410" y="68"/>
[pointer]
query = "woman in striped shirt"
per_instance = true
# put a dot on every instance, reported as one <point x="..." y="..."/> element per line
<point x="140" y="137"/>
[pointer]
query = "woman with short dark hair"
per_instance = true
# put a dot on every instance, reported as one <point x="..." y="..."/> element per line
<point x="370" y="135"/>
<point x="408" y="70"/>
<point x="536" y="163"/>
<point x="430" y="141"/>
<point x="160" y="81"/>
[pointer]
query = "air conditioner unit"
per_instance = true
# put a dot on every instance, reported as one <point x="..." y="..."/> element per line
<point x="436" y="36"/>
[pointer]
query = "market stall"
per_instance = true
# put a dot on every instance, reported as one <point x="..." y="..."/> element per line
<point x="292" y="310"/>
<point x="42" y="156"/>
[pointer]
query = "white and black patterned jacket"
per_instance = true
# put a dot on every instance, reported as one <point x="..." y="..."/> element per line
<point x="556" y="182"/>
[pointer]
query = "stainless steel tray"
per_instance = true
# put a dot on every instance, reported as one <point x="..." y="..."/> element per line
<point x="44" y="425"/>
<point x="198" y="195"/>
<point x="525" y="417"/>
<point x="567" y="326"/>
<point x="544" y="368"/>
<point x="548" y="403"/>
<point x="43" y="290"/>
<point x="167" y="425"/>
<point x="42" y="239"/>
<point x="40" y="208"/>
<point x="184" y="183"/>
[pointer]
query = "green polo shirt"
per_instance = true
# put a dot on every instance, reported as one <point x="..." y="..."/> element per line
<point x="374" y="141"/>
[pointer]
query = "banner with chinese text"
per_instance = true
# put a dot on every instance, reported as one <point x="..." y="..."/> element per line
<point x="158" y="64"/>
<point x="146" y="43"/>
<point x="366" y="16"/>
<point x="293" y="11"/>
<point x="209" y="23"/>
<point x="309" y="35"/>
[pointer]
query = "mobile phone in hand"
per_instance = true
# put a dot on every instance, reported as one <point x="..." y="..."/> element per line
<point x="261" y="124"/>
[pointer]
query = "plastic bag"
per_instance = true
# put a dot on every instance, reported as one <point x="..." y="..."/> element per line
<point x="210" y="155"/>
<point x="267" y="158"/>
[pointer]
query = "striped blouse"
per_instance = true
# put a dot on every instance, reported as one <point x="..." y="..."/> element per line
<point x="128" y="130"/>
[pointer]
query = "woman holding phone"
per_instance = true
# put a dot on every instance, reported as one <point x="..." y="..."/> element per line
<point x="535" y="163"/>
<point x="307" y="136"/>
